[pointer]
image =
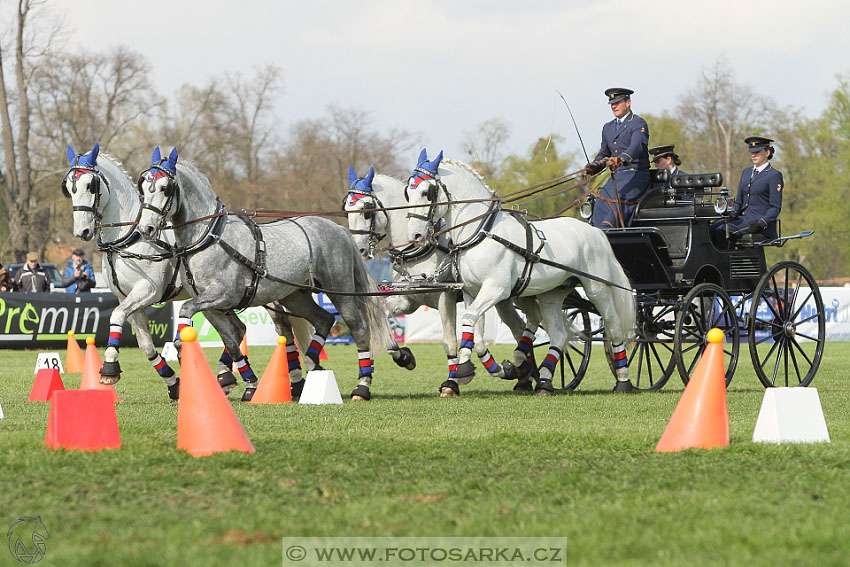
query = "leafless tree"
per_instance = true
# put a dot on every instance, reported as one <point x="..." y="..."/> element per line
<point x="29" y="49"/>
<point x="484" y="146"/>
<point x="720" y="113"/>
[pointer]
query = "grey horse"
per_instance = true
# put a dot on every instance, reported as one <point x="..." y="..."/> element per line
<point x="106" y="204"/>
<point x="232" y="262"/>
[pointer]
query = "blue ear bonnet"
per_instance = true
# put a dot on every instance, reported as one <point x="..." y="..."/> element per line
<point x="363" y="185"/>
<point x="429" y="166"/>
<point x="169" y="164"/>
<point x="88" y="160"/>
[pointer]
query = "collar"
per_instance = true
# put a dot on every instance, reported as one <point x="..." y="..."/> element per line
<point x="762" y="168"/>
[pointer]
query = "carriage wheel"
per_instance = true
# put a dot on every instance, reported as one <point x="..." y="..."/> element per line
<point x="787" y="328"/>
<point x="651" y="360"/>
<point x="576" y="355"/>
<point x="705" y="307"/>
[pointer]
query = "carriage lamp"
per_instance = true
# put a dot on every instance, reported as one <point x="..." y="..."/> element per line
<point x="586" y="208"/>
<point x="724" y="202"/>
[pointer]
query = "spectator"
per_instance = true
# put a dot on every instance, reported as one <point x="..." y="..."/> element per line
<point x="32" y="277"/>
<point x="5" y="280"/>
<point x="78" y="276"/>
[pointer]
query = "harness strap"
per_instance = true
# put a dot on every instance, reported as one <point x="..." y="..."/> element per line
<point x="525" y="278"/>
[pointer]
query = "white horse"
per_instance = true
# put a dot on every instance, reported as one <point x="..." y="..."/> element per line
<point x="501" y="256"/>
<point x="231" y="262"/>
<point x="431" y="264"/>
<point x="106" y="204"/>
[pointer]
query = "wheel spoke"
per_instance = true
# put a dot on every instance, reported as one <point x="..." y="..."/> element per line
<point x="769" y="353"/>
<point x="802" y="352"/>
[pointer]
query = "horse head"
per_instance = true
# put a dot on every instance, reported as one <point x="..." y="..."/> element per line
<point x="84" y="185"/>
<point x="423" y="189"/>
<point x="158" y="187"/>
<point x="367" y="228"/>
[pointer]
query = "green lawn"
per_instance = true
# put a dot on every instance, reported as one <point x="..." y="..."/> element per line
<point x="489" y="463"/>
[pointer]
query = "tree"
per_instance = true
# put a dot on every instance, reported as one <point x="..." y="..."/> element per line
<point x="311" y="173"/>
<point x="542" y="164"/>
<point x="18" y="176"/>
<point x="719" y="113"/>
<point x="483" y="146"/>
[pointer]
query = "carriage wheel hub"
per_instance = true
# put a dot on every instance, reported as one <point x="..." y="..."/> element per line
<point x="790" y="329"/>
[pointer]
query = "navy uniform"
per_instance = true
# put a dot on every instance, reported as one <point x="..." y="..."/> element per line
<point x="626" y="138"/>
<point x="659" y="152"/>
<point x="758" y="202"/>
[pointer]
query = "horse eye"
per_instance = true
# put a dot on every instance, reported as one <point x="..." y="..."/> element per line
<point x="368" y="215"/>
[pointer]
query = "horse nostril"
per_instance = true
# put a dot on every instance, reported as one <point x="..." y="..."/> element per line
<point x="417" y="237"/>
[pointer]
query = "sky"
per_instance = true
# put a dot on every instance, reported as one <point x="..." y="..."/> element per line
<point x="440" y="68"/>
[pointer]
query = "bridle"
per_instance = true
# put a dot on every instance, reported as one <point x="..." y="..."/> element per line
<point x="369" y="212"/>
<point x="171" y="190"/>
<point x="434" y="186"/>
<point x="93" y="188"/>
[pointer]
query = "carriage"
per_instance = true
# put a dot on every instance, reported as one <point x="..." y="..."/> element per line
<point x="685" y="285"/>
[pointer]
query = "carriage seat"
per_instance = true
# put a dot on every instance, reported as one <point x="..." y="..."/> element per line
<point x="661" y="204"/>
<point x="697" y="181"/>
<point x="752" y="240"/>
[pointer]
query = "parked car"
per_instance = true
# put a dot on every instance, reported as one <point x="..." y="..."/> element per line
<point x="52" y="273"/>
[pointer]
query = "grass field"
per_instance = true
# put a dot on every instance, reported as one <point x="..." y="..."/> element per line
<point x="490" y="463"/>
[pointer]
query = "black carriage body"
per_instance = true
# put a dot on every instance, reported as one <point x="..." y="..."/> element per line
<point x="668" y="249"/>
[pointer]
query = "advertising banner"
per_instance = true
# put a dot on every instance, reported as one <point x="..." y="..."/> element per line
<point x="42" y="320"/>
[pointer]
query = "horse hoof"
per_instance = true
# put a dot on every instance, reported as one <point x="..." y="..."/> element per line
<point x="361" y="394"/>
<point x="174" y="391"/>
<point x="625" y="387"/>
<point x="524" y="386"/>
<point x="449" y="389"/>
<point x="227" y="381"/>
<point x="248" y="394"/>
<point x="110" y="373"/>
<point x="296" y="388"/>
<point x="509" y="371"/>
<point x="544" y="388"/>
<point x="406" y="360"/>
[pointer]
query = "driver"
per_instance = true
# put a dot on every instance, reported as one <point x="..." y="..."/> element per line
<point x="759" y="197"/>
<point x="624" y="151"/>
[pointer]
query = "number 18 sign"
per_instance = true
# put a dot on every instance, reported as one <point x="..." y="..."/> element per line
<point x="48" y="360"/>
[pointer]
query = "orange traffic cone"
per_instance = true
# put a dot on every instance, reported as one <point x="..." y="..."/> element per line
<point x="206" y="423"/>
<point x="91" y="371"/>
<point x="73" y="355"/>
<point x="243" y="348"/>
<point x="274" y="388"/>
<point x="322" y="354"/>
<point x="701" y="419"/>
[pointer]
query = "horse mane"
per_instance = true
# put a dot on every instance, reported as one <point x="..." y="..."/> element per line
<point x="471" y="170"/>
<point x="116" y="162"/>
<point x="191" y="167"/>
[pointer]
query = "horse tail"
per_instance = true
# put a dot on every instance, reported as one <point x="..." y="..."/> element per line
<point x="624" y="299"/>
<point x="380" y="333"/>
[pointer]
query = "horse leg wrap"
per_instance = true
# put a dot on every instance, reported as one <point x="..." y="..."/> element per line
<point x="293" y="362"/>
<point x="182" y="323"/>
<point x="114" y="336"/>
<point x="316" y="346"/>
<point x="550" y="362"/>
<point x="366" y="363"/>
<point x="621" y="362"/>
<point x="405" y="358"/>
<point x="467" y="336"/>
<point x="490" y="364"/>
<point x="526" y="343"/>
<point x="162" y="368"/>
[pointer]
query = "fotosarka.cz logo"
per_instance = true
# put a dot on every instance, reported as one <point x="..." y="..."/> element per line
<point x="27" y="539"/>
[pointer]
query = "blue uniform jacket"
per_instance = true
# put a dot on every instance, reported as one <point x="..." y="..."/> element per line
<point x="70" y="283"/>
<point x="759" y="200"/>
<point x="630" y="144"/>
